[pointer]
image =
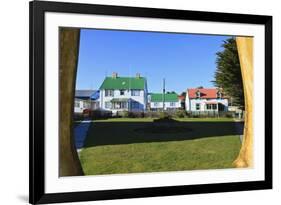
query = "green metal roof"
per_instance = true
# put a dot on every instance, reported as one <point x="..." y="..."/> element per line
<point x="123" y="83"/>
<point x="169" y="97"/>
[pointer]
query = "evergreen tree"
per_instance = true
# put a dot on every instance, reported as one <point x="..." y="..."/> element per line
<point x="228" y="73"/>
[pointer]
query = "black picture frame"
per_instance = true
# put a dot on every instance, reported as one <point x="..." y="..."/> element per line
<point x="37" y="101"/>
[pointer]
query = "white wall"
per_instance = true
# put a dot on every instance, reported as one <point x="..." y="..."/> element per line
<point x="80" y="108"/>
<point x="85" y="104"/>
<point x="167" y="105"/>
<point x="187" y="102"/>
<point x="141" y="98"/>
<point x="14" y="77"/>
<point x="190" y="104"/>
<point x="193" y="102"/>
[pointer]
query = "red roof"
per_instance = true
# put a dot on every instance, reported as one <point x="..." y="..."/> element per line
<point x="205" y="93"/>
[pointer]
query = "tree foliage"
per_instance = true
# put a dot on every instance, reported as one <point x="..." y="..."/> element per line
<point x="228" y="73"/>
<point x="183" y="94"/>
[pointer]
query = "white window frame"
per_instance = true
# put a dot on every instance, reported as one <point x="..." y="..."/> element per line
<point x="134" y="91"/>
<point x="77" y="103"/>
<point x="172" y="104"/>
<point x="122" y="91"/>
<point x="197" y="107"/>
<point x="108" y="103"/>
<point x="212" y="106"/>
<point x="109" y="93"/>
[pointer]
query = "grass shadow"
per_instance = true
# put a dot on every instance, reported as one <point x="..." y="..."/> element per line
<point x="116" y="133"/>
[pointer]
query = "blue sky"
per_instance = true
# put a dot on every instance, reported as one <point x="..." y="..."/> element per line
<point x="184" y="60"/>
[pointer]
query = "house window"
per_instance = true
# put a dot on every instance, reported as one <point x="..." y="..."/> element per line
<point x="219" y="95"/>
<point x="214" y="106"/>
<point x="135" y="105"/>
<point x="122" y="92"/>
<point x="135" y="92"/>
<point x="109" y="93"/>
<point x="77" y="104"/>
<point x="108" y="105"/>
<point x="172" y="104"/>
<point x="86" y="105"/>
<point x="198" y="94"/>
<point x="120" y="105"/>
<point x="197" y="106"/>
<point x="124" y="105"/>
<point x="211" y="106"/>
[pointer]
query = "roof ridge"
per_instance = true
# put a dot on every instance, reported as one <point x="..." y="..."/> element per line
<point x="162" y="93"/>
<point x="125" y="77"/>
<point x="123" y="83"/>
<point x="202" y="88"/>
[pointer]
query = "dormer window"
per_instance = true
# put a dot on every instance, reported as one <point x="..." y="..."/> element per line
<point x="219" y="94"/>
<point x="122" y="92"/>
<point x="198" y="94"/>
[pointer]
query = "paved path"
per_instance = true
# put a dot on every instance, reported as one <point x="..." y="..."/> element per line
<point x="80" y="133"/>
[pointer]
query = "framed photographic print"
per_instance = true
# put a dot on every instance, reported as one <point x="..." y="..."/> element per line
<point x="140" y="102"/>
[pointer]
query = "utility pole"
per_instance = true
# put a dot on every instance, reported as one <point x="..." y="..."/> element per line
<point x="163" y="98"/>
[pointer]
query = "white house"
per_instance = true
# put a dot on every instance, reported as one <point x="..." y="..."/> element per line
<point x="171" y="101"/>
<point x="123" y="93"/>
<point x="86" y="99"/>
<point x="205" y="99"/>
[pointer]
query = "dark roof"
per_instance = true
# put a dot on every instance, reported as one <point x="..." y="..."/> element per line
<point x="86" y="94"/>
<point x="169" y="97"/>
<point x="123" y="83"/>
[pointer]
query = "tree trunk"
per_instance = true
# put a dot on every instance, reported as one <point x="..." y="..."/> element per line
<point x="245" y="52"/>
<point x="69" y="164"/>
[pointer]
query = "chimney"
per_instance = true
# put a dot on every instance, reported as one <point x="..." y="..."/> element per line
<point x="138" y="75"/>
<point x="114" y="75"/>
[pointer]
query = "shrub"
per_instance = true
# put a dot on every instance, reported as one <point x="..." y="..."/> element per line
<point x="136" y="114"/>
<point x="151" y="114"/>
<point x="180" y="113"/>
<point x="230" y="115"/>
<point x="164" y="115"/>
<point x="122" y="114"/>
<point x="126" y="114"/>
<point x="100" y="114"/>
<point x="78" y="116"/>
<point x="188" y="114"/>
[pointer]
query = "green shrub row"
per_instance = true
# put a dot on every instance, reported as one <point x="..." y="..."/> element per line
<point x="98" y="114"/>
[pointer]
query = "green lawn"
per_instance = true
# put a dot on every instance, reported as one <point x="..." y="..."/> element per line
<point x="116" y="146"/>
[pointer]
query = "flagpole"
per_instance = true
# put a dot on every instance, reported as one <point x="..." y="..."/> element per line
<point x="163" y="94"/>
